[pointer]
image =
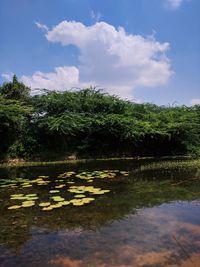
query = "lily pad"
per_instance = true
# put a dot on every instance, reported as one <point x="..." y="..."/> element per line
<point x="105" y="191"/>
<point x="78" y="204"/>
<point x="27" y="204"/>
<point x="31" y="195"/>
<point x="65" y="203"/>
<point x="79" y="196"/>
<point x="98" y="193"/>
<point x="47" y="208"/>
<point x="88" y="199"/>
<point x="60" y="186"/>
<point x="74" y="201"/>
<point x="14" y="207"/>
<point x="44" y="204"/>
<point x="17" y="195"/>
<point x="54" y="191"/>
<point x="57" y="198"/>
<point x="55" y="206"/>
<point x="18" y="198"/>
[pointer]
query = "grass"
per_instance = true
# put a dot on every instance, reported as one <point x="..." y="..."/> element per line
<point x="155" y="165"/>
<point x="37" y="163"/>
<point x="169" y="165"/>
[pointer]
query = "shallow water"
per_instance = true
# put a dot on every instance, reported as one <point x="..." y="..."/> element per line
<point x="149" y="218"/>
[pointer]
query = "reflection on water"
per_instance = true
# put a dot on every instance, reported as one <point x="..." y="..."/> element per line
<point x="149" y="218"/>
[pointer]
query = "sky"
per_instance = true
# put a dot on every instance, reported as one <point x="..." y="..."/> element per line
<point x="140" y="50"/>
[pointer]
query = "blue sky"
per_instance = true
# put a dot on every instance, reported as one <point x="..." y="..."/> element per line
<point x="59" y="44"/>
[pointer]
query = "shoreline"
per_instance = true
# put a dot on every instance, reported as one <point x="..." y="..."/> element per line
<point x="13" y="164"/>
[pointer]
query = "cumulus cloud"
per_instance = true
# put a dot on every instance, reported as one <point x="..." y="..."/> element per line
<point x="62" y="78"/>
<point x="109" y="58"/>
<point x="174" y="3"/>
<point x="195" y="101"/>
<point x="7" y="76"/>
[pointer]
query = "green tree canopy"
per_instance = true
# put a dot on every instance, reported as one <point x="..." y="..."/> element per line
<point x="15" y="90"/>
<point x="13" y="117"/>
<point x="92" y="123"/>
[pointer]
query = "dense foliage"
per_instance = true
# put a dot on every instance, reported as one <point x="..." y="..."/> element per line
<point x="90" y="123"/>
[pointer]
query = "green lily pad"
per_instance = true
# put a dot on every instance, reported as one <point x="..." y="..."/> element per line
<point x="98" y="193"/>
<point x="55" y="206"/>
<point x="76" y="191"/>
<point x="78" y="204"/>
<point x="18" y="198"/>
<point x="74" y="201"/>
<point x="17" y="195"/>
<point x="60" y="186"/>
<point x="88" y="199"/>
<point x="47" y="208"/>
<point x="65" y="203"/>
<point x="27" y="204"/>
<point x="79" y="196"/>
<point x="54" y="191"/>
<point x="14" y="207"/>
<point x="105" y="191"/>
<point x="57" y="198"/>
<point x="44" y="204"/>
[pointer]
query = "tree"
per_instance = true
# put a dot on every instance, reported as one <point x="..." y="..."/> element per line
<point x="91" y="123"/>
<point x="15" y="90"/>
<point x="13" y="117"/>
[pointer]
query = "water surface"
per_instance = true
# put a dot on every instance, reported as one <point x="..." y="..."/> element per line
<point x="150" y="217"/>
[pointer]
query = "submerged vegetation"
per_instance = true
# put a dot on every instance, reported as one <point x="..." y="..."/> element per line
<point x="90" y="123"/>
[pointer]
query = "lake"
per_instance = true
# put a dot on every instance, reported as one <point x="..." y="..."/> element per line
<point x="112" y="213"/>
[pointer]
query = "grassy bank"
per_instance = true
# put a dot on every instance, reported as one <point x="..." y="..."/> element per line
<point x="176" y="160"/>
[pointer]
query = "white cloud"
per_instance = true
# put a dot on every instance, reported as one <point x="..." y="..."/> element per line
<point x="174" y="3"/>
<point x="95" y="15"/>
<point x="195" y="101"/>
<point x="62" y="78"/>
<point x="41" y="26"/>
<point x="109" y="58"/>
<point x="7" y="76"/>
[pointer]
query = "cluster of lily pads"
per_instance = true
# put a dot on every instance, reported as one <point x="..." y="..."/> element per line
<point x="29" y="200"/>
<point x="24" y="183"/>
<point x="89" y="176"/>
<point x="79" y="199"/>
<point x="82" y="194"/>
<point x="80" y="190"/>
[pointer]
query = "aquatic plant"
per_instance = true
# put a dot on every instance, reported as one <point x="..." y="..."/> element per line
<point x="78" y="195"/>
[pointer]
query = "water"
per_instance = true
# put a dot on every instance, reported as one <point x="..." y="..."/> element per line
<point x="149" y="218"/>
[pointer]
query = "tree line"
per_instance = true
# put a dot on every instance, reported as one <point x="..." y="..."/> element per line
<point x="91" y="123"/>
